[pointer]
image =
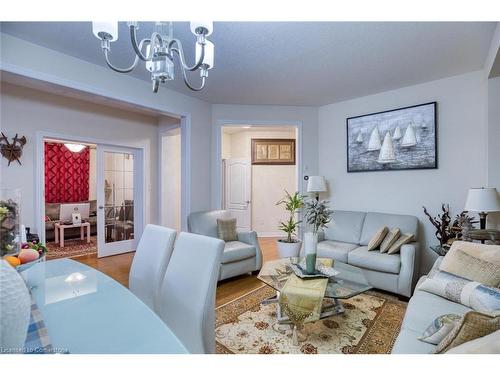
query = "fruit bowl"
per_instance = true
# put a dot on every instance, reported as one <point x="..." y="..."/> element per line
<point x="25" y="266"/>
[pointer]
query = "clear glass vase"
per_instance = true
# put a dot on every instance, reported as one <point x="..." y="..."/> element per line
<point x="10" y="216"/>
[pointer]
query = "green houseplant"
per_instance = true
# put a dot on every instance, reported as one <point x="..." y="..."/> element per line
<point x="317" y="215"/>
<point x="290" y="246"/>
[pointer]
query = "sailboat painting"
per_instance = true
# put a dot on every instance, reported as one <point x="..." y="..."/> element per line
<point x="399" y="139"/>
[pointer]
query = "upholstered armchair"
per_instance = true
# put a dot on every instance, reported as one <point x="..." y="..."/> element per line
<point x="240" y="256"/>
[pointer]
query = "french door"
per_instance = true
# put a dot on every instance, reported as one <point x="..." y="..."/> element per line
<point x="120" y="214"/>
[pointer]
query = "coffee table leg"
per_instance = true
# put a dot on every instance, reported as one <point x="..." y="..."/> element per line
<point x="56" y="234"/>
<point x="81" y="233"/>
<point x="61" y="240"/>
<point x="88" y="233"/>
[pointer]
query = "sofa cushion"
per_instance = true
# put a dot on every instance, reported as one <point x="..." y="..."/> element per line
<point x="205" y="223"/>
<point x="424" y="307"/>
<point x="374" y="220"/>
<point x="235" y="251"/>
<point x="377" y="238"/>
<point x="389" y="239"/>
<point x="408" y="343"/>
<point x="374" y="260"/>
<point x="52" y="210"/>
<point x="226" y="229"/>
<point x="346" y="226"/>
<point x="335" y="250"/>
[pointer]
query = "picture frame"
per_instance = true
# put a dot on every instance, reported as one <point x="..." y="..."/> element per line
<point x="273" y="151"/>
<point x="398" y="139"/>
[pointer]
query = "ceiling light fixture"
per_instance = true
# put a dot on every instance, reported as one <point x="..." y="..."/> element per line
<point x="160" y="49"/>
<point x="74" y="147"/>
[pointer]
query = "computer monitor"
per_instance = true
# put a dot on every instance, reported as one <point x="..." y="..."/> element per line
<point x="68" y="208"/>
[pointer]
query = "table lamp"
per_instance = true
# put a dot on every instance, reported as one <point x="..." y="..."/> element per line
<point x="482" y="200"/>
<point x="316" y="184"/>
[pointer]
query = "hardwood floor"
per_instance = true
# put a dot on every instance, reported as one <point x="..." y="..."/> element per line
<point x="118" y="267"/>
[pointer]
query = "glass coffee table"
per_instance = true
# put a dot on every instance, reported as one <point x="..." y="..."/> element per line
<point x="348" y="283"/>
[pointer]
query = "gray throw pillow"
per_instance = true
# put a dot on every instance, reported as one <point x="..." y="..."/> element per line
<point x="389" y="239"/>
<point x="226" y="230"/>
<point x="440" y="328"/>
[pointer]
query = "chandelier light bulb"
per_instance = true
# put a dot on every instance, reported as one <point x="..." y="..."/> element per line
<point x="207" y="26"/>
<point x="105" y="30"/>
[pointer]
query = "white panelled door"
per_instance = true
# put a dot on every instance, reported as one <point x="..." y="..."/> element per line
<point x="237" y="194"/>
<point x="120" y="213"/>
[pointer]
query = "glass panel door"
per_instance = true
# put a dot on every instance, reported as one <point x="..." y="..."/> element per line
<point x="117" y="190"/>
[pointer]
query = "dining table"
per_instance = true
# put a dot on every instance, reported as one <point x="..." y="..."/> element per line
<point x="87" y="312"/>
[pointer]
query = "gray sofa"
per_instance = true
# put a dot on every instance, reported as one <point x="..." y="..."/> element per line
<point x="422" y="309"/>
<point x="240" y="256"/>
<point x="346" y="240"/>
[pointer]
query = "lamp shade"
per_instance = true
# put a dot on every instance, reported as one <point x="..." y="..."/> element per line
<point x="316" y="184"/>
<point x="482" y="200"/>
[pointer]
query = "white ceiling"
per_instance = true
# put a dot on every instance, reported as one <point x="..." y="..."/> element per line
<point x="295" y="63"/>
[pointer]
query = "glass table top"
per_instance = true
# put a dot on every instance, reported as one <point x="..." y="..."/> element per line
<point x="349" y="282"/>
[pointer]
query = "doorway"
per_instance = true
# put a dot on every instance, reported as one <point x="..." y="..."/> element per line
<point x="250" y="190"/>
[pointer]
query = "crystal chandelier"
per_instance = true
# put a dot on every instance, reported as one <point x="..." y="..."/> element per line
<point x="158" y="51"/>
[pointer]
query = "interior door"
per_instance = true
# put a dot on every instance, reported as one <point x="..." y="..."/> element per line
<point x="119" y="199"/>
<point x="237" y="194"/>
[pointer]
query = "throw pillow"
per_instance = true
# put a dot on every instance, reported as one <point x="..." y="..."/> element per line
<point x="389" y="239"/>
<point x="226" y="230"/>
<point x="440" y="328"/>
<point x="402" y="240"/>
<point x="474" y="261"/>
<point x="472" y="326"/>
<point x="477" y="296"/>
<point x="489" y="344"/>
<point x="377" y="238"/>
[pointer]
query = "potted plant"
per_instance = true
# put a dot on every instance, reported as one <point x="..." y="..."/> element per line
<point x="317" y="215"/>
<point x="290" y="246"/>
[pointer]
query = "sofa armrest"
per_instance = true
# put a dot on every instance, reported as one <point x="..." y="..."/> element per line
<point x="409" y="254"/>
<point x="251" y="239"/>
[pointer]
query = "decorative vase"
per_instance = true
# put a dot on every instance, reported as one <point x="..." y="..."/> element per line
<point x="15" y="305"/>
<point x="10" y="238"/>
<point x="310" y="250"/>
<point x="289" y="249"/>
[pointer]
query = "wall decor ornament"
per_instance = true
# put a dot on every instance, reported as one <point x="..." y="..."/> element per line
<point x="273" y="151"/>
<point x="12" y="151"/>
<point x="398" y="139"/>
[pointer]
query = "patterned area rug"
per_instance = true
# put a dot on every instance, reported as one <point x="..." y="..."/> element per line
<point x="370" y="324"/>
<point x="72" y="248"/>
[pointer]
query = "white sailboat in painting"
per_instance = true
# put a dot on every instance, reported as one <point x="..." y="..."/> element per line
<point x="397" y="134"/>
<point x="409" y="139"/>
<point x="359" y="138"/>
<point x="386" y="155"/>
<point x="374" y="143"/>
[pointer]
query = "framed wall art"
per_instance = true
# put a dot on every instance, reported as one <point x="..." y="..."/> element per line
<point x="399" y="139"/>
<point x="273" y="151"/>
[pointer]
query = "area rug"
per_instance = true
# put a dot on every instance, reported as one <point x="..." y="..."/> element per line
<point x="72" y="248"/>
<point x="370" y="324"/>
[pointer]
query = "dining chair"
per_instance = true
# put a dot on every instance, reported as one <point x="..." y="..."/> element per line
<point x="150" y="262"/>
<point x="186" y="302"/>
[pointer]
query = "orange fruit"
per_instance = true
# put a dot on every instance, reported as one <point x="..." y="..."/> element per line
<point x="13" y="261"/>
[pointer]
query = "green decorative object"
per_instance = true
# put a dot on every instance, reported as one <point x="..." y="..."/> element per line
<point x="9" y="221"/>
<point x="317" y="215"/>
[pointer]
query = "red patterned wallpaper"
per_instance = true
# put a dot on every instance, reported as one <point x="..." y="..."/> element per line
<point x="66" y="174"/>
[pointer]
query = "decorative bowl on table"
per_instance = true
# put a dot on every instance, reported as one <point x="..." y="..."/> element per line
<point x="321" y="271"/>
<point x="29" y="255"/>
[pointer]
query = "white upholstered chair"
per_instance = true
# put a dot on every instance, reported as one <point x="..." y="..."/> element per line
<point x="150" y="263"/>
<point x="186" y="302"/>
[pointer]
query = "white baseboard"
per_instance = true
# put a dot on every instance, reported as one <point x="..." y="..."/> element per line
<point x="270" y="234"/>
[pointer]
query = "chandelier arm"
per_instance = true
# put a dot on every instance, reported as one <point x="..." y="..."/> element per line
<point x="180" y="52"/>
<point x="124" y="70"/>
<point x="186" y="81"/>
<point x="138" y="47"/>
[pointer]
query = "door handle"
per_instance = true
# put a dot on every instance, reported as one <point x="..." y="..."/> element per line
<point x="101" y="207"/>
<point x="248" y="202"/>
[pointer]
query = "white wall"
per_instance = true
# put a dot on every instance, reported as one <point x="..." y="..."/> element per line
<point x="17" y="56"/>
<point x="462" y="157"/>
<point x="26" y="111"/>
<point x="268" y="181"/>
<point x="493" y="144"/>
<point x="171" y="175"/>
<point x="262" y="114"/>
